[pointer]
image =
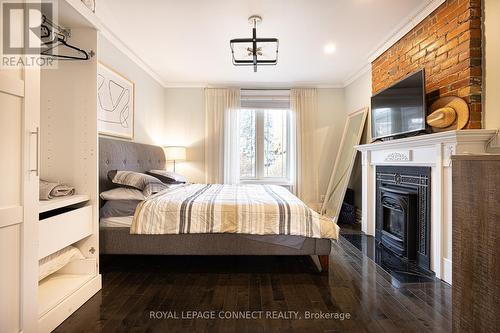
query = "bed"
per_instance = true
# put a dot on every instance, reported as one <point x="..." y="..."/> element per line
<point x="115" y="238"/>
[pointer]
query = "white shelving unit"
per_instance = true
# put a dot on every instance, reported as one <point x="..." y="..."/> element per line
<point x="69" y="143"/>
<point x="61" y="294"/>
<point x="48" y="130"/>
<point x="55" y="288"/>
<point x="61" y="202"/>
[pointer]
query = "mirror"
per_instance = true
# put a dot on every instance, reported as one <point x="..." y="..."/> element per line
<point x="343" y="164"/>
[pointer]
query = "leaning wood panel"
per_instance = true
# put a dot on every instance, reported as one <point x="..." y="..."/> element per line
<point x="476" y="243"/>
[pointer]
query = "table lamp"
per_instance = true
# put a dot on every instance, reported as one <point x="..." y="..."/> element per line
<point x="175" y="153"/>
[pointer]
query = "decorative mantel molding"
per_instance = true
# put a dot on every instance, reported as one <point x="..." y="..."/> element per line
<point x="398" y="156"/>
<point x="461" y="136"/>
<point x="434" y="150"/>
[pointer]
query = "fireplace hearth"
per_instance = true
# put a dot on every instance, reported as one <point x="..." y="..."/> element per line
<point x="403" y="212"/>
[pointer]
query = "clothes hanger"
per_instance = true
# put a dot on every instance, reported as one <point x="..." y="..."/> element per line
<point x="60" y="39"/>
<point x="45" y="31"/>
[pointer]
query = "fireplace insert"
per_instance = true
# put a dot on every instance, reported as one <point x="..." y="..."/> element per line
<point x="399" y="209"/>
<point x="403" y="212"/>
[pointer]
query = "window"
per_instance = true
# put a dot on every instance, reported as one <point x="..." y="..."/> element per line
<point x="247" y="144"/>
<point x="264" y="143"/>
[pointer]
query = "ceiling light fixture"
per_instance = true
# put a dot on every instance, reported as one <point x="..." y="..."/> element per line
<point x="330" y="48"/>
<point x="254" y="51"/>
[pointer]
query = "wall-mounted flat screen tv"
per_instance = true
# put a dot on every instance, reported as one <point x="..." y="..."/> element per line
<point x="400" y="109"/>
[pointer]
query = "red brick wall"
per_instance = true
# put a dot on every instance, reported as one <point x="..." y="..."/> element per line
<point x="447" y="44"/>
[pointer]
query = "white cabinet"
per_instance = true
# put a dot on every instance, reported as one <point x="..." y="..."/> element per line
<point x="48" y="130"/>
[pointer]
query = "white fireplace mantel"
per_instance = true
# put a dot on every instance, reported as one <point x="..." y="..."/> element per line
<point x="433" y="150"/>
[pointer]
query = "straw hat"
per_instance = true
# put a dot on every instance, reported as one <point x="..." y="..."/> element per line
<point x="448" y="113"/>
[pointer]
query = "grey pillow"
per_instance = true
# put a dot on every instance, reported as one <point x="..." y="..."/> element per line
<point x="147" y="184"/>
<point x="167" y="177"/>
<point x="153" y="188"/>
<point x="116" y="208"/>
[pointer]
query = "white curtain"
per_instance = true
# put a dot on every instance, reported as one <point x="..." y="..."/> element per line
<point x="304" y="107"/>
<point x="221" y="135"/>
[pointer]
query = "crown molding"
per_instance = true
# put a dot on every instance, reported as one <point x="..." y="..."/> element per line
<point x="185" y="85"/>
<point x="250" y="85"/>
<point x="410" y="22"/>
<point x="122" y="47"/>
<point x="356" y="75"/>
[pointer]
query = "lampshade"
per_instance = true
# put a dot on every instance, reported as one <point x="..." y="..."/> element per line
<point x="175" y="153"/>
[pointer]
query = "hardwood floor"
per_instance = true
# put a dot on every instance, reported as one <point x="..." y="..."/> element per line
<point x="133" y="286"/>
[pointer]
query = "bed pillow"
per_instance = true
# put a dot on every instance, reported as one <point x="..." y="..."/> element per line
<point x="168" y="177"/>
<point x="153" y="188"/>
<point x="146" y="183"/>
<point x="57" y="260"/>
<point x="117" y="208"/>
<point x="122" y="193"/>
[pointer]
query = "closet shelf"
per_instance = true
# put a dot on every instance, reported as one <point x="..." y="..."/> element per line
<point x="56" y="287"/>
<point x="48" y="205"/>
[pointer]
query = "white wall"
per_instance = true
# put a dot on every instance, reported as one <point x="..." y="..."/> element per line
<point x="185" y="126"/>
<point x="357" y="96"/>
<point x="359" y="92"/>
<point x="491" y="67"/>
<point x="149" y="94"/>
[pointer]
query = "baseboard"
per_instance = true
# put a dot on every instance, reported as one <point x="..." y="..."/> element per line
<point x="446" y="270"/>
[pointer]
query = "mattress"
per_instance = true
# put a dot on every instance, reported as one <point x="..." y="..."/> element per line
<point x="116" y="222"/>
<point x="294" y="242"/>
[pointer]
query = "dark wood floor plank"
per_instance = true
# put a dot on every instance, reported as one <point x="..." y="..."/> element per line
<point x="161" y="286"/>
<point x="379" y="283"/>
<point x="406" y="300"/>
<point x="135" y="285"/>
<point x="140" y="308"/>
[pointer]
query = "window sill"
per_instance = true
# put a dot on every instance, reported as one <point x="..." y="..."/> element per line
<point x="282" y="182"/>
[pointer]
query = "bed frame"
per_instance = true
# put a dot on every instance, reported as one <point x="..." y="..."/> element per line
<point x="125" y="155"/>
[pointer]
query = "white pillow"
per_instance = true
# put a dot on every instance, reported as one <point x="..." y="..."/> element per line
<point x="123" y="193"/>
<point x="57" y="260"/>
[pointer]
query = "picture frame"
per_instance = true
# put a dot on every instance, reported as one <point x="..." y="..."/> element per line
<point x="115" y="103"/>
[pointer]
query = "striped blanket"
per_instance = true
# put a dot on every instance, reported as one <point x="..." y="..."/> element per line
<point x="242" y="209"/>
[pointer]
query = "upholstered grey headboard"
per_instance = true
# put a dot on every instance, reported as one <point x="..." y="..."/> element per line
<point x="126" y="155"/>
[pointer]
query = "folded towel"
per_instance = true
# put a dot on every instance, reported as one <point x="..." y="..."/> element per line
<point x="50" y="190"/>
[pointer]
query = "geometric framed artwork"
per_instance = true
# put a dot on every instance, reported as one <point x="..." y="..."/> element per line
<point x="115" y="103"/>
